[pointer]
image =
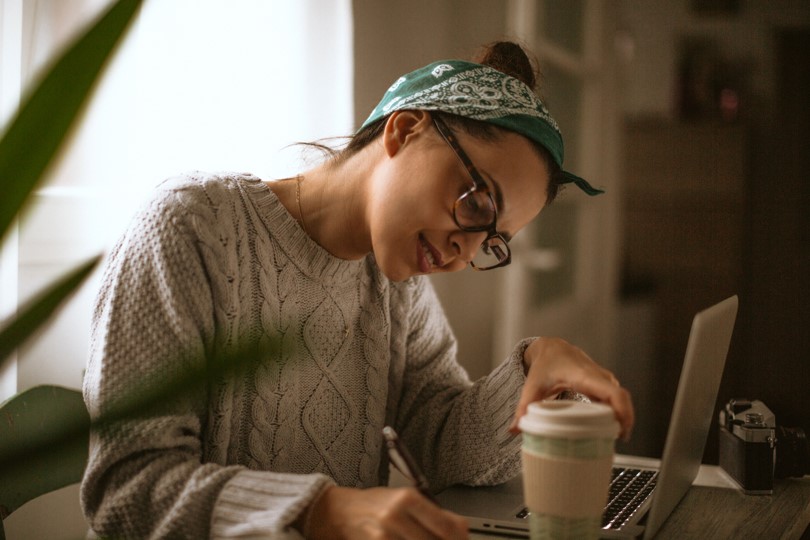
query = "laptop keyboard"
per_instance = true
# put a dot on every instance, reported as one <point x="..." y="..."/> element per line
<point x="629" y="488"/>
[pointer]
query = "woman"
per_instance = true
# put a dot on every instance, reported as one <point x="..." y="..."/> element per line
<point x="328" y="268"/>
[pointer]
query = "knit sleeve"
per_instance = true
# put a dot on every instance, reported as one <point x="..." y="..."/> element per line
<point x="458" y="430"/>
<point x="147" y="476"/>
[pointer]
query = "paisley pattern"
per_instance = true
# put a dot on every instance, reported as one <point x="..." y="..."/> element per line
<point x="481" y="93"/>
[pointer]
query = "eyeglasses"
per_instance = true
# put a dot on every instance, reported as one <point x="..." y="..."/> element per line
<point x="475" y="210"/>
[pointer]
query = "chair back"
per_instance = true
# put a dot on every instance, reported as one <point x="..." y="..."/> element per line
<point x="44" y="437"/>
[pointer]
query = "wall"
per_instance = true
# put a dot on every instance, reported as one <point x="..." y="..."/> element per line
<point x="775" y="349"/>
<point x="392" y="38"/>
<point x="769" y="350"/>
<point x="653" y="30"/>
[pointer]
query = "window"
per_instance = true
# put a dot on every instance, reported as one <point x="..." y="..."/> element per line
<point x="197" y="84"/>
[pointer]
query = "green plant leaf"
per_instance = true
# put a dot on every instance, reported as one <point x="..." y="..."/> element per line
<point x="194" y="375"/>
<point x="39" y="309"/>
<point x="35" y="134"/>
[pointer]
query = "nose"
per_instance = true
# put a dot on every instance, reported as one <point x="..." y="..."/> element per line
<point x="467" y="243"/>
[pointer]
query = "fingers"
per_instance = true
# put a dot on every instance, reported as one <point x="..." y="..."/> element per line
<point x="437" y="522"/>
<point x="411" y="515"/>
<point x="617" y="397"/>
<point x="383" y="513"/>
<point x="556" y="365"/>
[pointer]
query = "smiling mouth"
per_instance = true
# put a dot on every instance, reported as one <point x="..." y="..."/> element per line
<point x="429" y="257"/>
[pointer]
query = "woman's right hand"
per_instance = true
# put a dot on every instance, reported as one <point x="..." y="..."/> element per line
<point x="554" y="365"/>
<point x="381" y="513"/>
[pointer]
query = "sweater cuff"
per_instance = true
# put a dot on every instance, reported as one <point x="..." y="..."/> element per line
<point x="254" y="504"/>
<point x="517" y="353"/>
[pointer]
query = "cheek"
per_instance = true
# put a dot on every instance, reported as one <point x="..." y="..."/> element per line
<point x="391" y="229"/>
<point x="413" y="197"/>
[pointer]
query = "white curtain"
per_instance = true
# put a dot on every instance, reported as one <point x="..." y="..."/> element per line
<point x="198" y="84"/>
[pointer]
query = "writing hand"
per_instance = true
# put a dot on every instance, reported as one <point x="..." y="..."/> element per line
<point x="348" y="513"/>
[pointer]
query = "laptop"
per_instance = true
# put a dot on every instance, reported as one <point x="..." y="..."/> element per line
<point x="641" y="510"/>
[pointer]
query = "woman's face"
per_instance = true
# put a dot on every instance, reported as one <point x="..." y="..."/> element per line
<point x="415" y="189"/>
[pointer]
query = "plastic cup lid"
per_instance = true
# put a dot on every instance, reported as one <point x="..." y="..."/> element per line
<point x="569" y="419"/>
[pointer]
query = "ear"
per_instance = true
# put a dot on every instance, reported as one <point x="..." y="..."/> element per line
<point x="402" y="127"/>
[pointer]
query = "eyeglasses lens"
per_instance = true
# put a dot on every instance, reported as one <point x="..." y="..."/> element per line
<point x="475" y="211"/>
<point x="492" y="253"/>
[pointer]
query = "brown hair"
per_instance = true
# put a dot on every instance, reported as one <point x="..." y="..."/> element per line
<point x="505" y="56"/>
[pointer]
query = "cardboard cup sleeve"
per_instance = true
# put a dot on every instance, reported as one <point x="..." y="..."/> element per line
<point x="566" y="486"/>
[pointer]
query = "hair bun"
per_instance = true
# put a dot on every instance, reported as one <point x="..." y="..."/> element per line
<point x="510" y="58"/>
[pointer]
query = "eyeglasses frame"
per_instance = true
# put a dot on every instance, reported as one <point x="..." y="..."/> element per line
<point x="479" y="184"/>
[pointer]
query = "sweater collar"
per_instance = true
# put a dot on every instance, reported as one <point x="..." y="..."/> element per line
<point x="306" y="254"/>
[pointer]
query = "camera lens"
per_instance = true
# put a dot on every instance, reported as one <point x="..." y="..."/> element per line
<point x="792" y="453"/>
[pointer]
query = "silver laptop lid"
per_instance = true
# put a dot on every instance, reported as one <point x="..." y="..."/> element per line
<point x="693" y="410"/>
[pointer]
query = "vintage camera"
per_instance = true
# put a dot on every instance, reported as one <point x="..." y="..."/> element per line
<point x="754" y="450"/>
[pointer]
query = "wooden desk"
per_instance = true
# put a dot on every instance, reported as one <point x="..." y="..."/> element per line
<point x="713" y="509"/>
<point x="719" y="512"/>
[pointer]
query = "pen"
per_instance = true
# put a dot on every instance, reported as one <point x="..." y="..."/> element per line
<point x="403" y="461"/>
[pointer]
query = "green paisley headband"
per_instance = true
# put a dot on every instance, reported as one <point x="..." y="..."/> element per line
<point x="481" y="93"/>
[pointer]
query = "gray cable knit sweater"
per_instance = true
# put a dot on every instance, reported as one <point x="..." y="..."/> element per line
<point x="212" y="258"/>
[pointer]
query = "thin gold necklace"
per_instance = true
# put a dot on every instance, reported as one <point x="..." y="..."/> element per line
<point x="298" y="179"/>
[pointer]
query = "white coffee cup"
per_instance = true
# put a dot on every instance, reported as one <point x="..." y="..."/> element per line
<point x="567" y="458"/>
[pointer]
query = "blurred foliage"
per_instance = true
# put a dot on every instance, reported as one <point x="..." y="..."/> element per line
<point x="29" y="144"/>
<point x="33" y="138"/>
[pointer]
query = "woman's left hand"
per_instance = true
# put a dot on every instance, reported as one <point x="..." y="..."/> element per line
<point x="554" y="365"/>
